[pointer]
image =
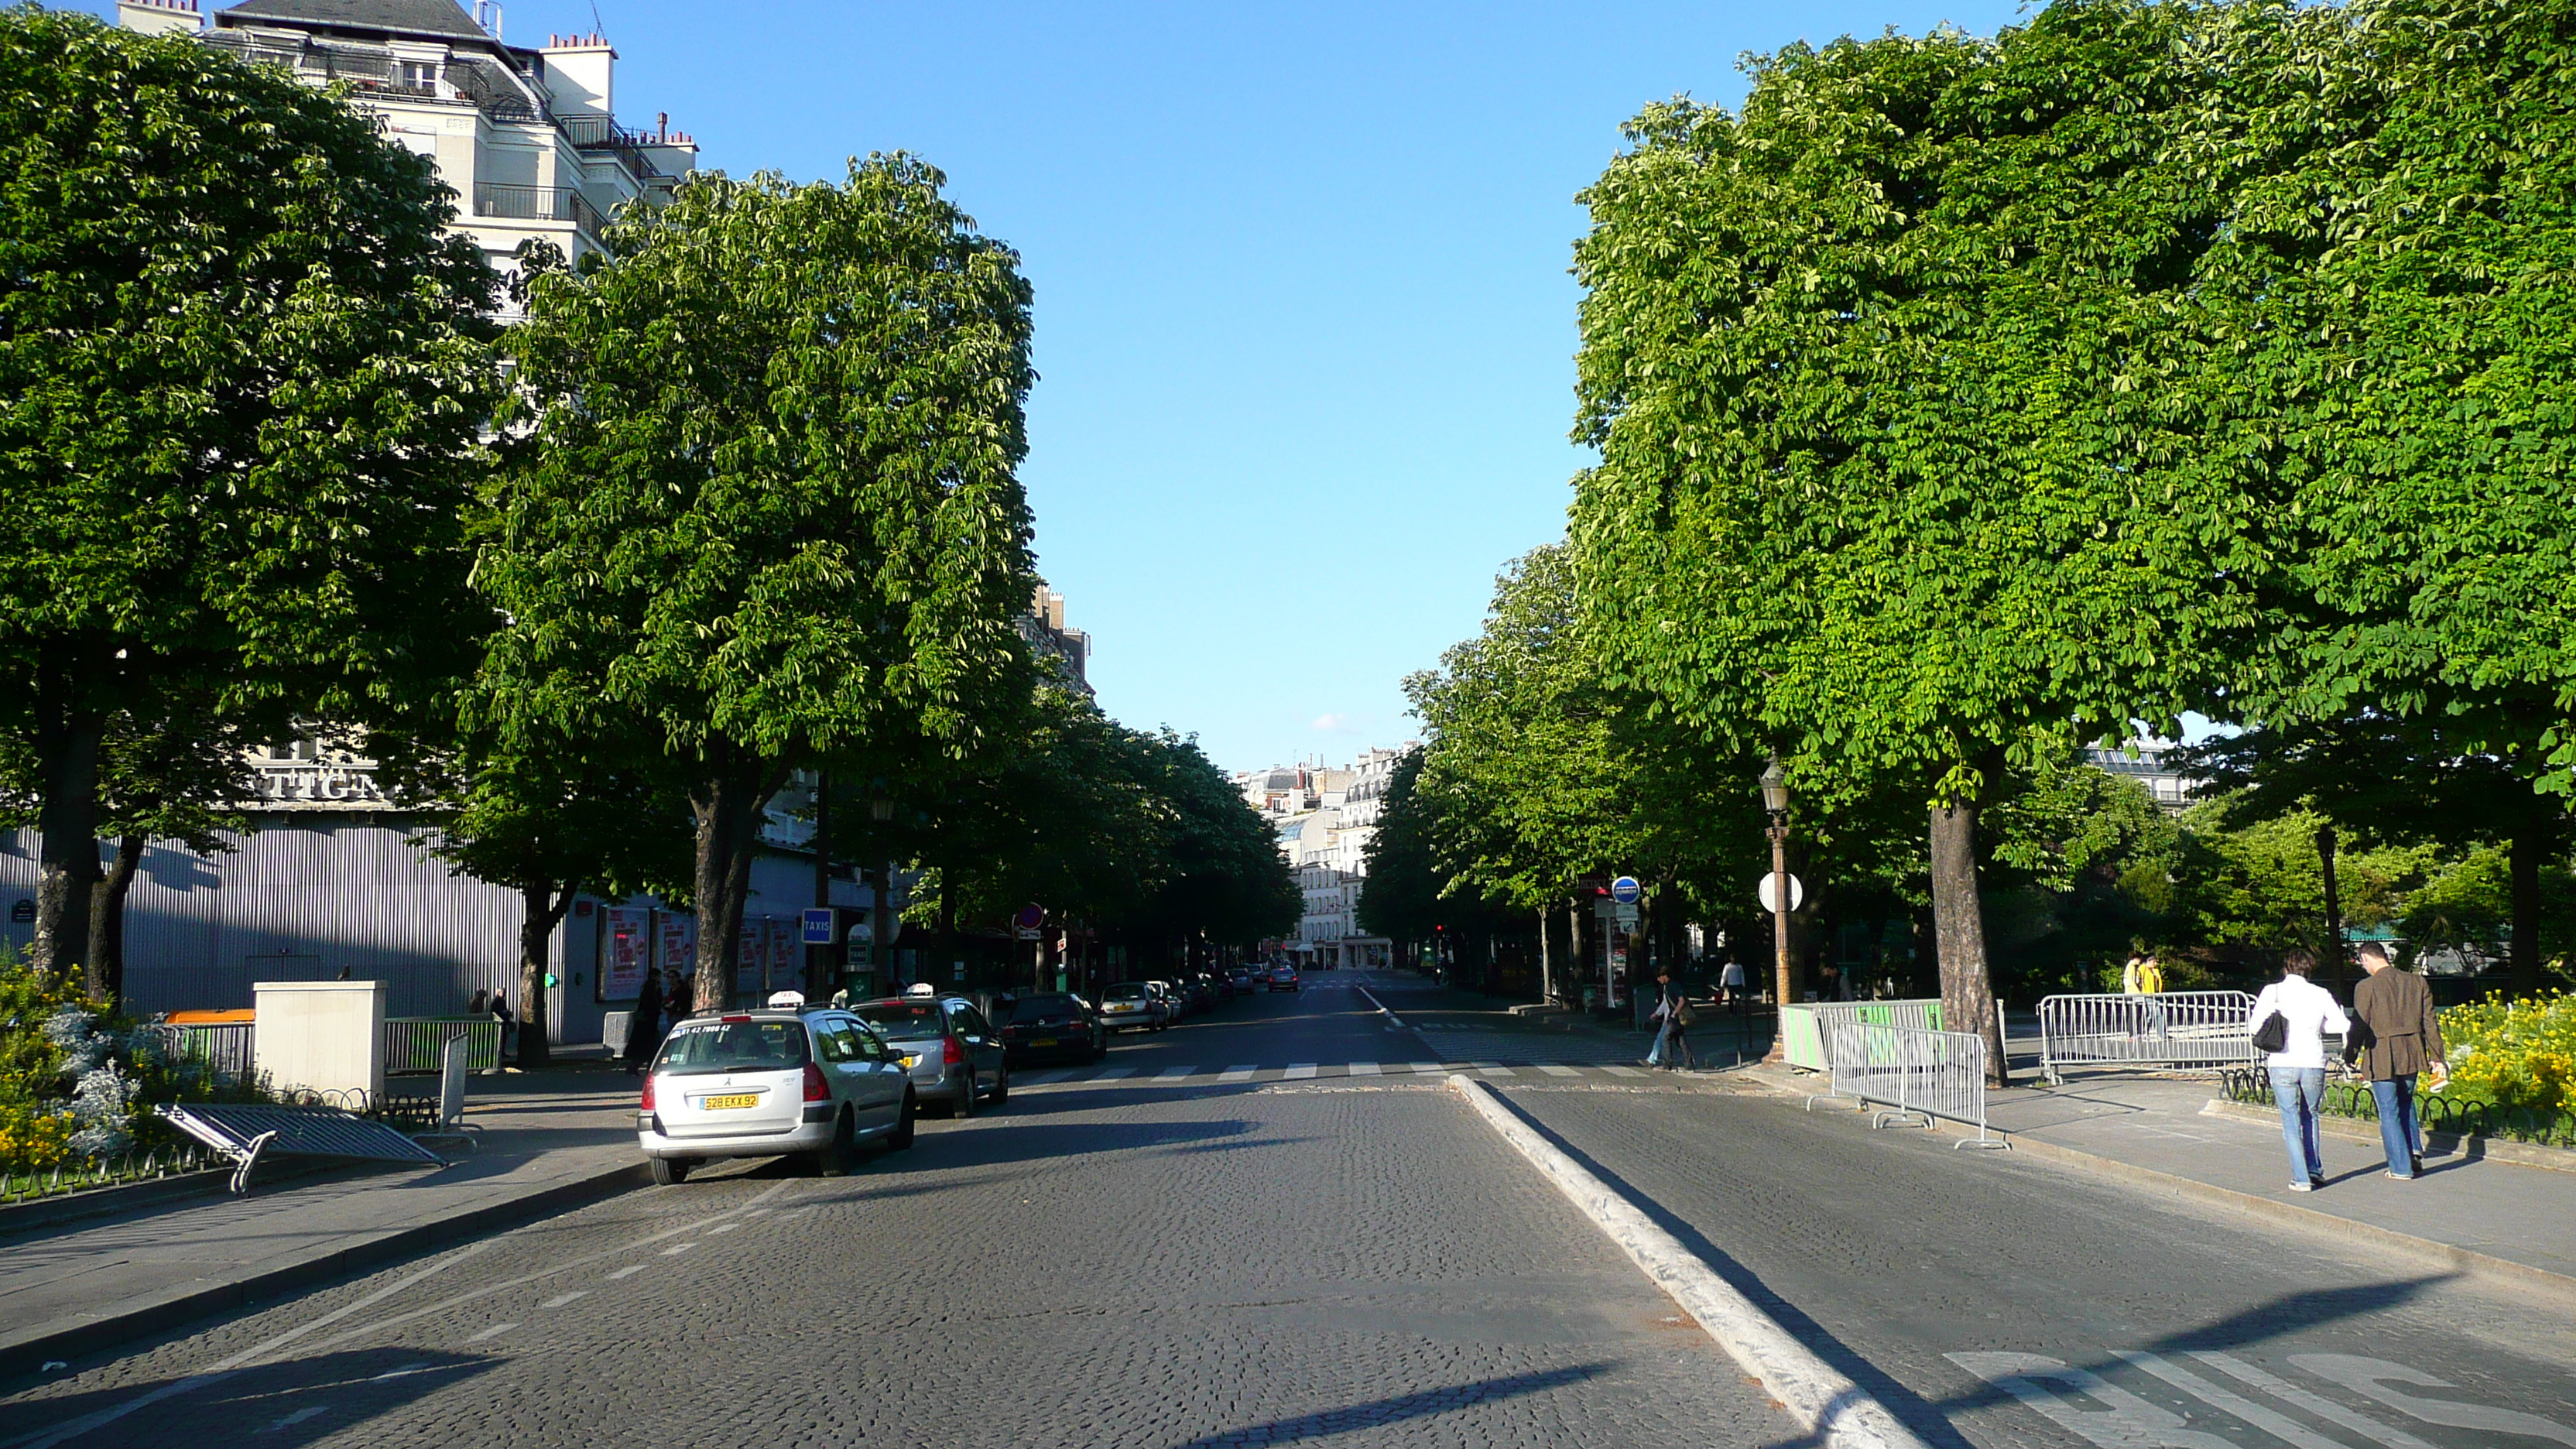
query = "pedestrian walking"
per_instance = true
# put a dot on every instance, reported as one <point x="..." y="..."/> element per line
<point x="2400" y="1036"/>
<point x="644" y="1028"/>
<point x="509" y="1027"/>
<point x="2129" y="985"/>
<point x="2295" y="1054"/>
<point x="1672" y="1043"/>
<point x="679" y="1001"/>
<point x="1731" y="981"/>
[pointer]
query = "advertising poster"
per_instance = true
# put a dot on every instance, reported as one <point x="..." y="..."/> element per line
<point x="786" y="954"/>
<point x="625" y="950"/>
<point x="677" y="946"/>
<point x="747" y="954"/>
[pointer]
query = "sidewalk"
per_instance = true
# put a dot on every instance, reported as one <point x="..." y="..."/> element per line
<point x="1460" y="1025"/>
<point x="548" y="1140"/>
<point x="2479" y="1213"/>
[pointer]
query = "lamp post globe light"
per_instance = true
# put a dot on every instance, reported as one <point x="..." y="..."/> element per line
<point x="1775" y="804"/>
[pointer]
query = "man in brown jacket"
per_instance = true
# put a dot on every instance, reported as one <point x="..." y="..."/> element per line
<point x="2405" y="1037"/>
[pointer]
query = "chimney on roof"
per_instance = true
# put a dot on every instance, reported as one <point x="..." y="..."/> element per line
<point x="581" y="73"/>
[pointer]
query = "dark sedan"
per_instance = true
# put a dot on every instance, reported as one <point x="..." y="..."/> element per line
<point x="1054" y="1026"/>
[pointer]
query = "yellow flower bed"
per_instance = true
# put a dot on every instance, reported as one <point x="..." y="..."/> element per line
<point x="2516" y="1053"/>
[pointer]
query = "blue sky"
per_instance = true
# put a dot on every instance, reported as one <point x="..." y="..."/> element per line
<point x="1303" y="319"/>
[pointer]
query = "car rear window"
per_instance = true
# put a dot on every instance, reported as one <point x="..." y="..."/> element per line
<point x="904" y="1020"/>
<point x="733" y="1046"/>
<point x="1127" y="991"/>
<point x="1031" y="1008"/>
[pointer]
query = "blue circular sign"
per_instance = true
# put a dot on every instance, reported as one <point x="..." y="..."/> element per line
<point x="1624" y="890"/>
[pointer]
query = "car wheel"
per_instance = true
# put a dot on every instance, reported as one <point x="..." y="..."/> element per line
<point x="842" y="1152"/>
<point x="671" y="1171"/>
<point x="1002" y="1086"/>
<point x="901" y="1136"/>
<point x="966" y="1097"/>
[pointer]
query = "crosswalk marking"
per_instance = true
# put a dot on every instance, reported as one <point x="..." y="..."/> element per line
<point x="1363" y="1069"/>
<point x="1623" y="1071"/>
<point x="1045" y="1078"/>
<point x="1423" y="1066"/>
<point x="1237" y="1073"/>
<point x="1298" y="1072"/>
<point x="1494" y="1069"/>
<point x="1169" y="1074"/>
<point x="1554" y="1070"/>
<point x="2280" y="1426"/>
<point x="1113" y="1074"/>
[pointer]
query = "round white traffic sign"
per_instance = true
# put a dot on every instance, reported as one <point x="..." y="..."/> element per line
<point x="1769" y="893"/>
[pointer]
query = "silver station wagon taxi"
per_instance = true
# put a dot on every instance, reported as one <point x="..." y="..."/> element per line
<point x="779" y="1081"/>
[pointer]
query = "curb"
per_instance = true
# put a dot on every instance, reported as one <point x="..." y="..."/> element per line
<point x="1823" y="1401"/>
<point x="2450" y="1255"/>
<point x="26" y="1353"/>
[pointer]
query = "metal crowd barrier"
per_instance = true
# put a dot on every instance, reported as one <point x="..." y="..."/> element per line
<point x="1912" y="1073"/>
<point x="225" y="1047"/>
<point x="1807" y="1026"/>
<point x="417" y="1045"/>
<point x="2178" y="1030"/>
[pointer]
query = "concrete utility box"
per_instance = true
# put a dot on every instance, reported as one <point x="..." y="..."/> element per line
<point x="321" y="1036"/>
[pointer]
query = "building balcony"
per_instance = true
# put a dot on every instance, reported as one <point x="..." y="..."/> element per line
<point x="537" y="203"/>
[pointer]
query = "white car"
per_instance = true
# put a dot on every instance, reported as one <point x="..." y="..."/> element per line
<point x="807" y="1081"/>
<point x="1132" y="1006"/>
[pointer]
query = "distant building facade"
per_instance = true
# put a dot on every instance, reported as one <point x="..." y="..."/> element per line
<point x="2153" y="764"/>
<point x="1323" y="818"/>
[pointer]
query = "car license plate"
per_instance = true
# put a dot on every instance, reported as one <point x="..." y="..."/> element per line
<point x="1043" y="1041"/>
<point x="727" y="1104"/>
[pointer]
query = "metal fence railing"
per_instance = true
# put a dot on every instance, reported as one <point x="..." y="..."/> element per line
<point x="416" y="1045"/>
<point x="2434" y="1111"/>
<point x="141" y="1165"/>
<point x="1806" y="1027"/>
<point x="1913" y="1074"/>
<point x="225" y="1047"/>
<point x="2172" y="1030"/>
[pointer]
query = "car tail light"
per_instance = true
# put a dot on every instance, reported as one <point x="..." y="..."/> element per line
<point x="816" y="1089"/>
<point x="733" y="1018"/>
<point x="647" y="1104"/>
<point x="950" y="1053"/>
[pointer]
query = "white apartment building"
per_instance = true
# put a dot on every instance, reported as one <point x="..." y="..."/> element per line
<point x="1324" y="818"/>
<point x="527" y="136"/>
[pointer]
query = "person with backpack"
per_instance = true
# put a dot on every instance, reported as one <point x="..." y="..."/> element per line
<point x="2289" y="1022"/>
<point x="1673" y="1040"/>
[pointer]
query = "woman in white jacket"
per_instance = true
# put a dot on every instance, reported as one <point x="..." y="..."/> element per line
<point x="2299" y="1067"/>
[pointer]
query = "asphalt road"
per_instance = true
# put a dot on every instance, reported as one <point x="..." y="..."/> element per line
<point x="1353" y="1261"/>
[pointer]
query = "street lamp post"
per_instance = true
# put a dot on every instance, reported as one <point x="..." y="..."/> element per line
<point x="1775" y="804"/>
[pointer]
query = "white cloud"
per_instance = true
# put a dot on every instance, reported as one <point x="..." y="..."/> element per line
<point x="1332" y="722"/>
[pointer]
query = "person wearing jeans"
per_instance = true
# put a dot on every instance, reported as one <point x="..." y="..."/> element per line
<point x="2405" y="1035"/>
<point x="2298" y="1069"/>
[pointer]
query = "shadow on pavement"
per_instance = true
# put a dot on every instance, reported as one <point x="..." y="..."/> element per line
<point x="1398" y="1409"/>
<point x="1931" y="1418"/>
<point x="290" y="1402"/>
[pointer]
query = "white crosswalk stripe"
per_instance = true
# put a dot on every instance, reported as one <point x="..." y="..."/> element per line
<point x="1113" y="1074"/>
<point x="1173" y="1073"/>
<point x="1623" y="1071"/>
<point x="1425" y="1067"/>
<point x="1237" y="1073"/>
<point x="1298" y="1072"/>
<point x="1363" y="1069"/>
<point x="1556" y="1071"/>
<point x="1045" y="1078"/>
<point x="1494" y="1069"/>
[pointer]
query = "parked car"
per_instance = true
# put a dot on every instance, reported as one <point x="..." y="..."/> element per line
<point x="1175" y="1005"/>
<point x="1054" y="1025"/>
<point x="802" y="1081"/>
<point x="1132" y="1006"/>
<point x="956" y="1058"/>
<point x="1241" y="979"/>
<point x="1196" y="991"/>
<point x="1284" y="978"/>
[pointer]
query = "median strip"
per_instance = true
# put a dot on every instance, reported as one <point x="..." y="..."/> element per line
<point x="1825" y="1402"/>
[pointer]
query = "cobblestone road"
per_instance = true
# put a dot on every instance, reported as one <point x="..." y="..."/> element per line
<point x="1352" y="1262"/>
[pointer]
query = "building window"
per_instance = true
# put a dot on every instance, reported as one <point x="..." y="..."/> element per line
<point x="420" y="75"/>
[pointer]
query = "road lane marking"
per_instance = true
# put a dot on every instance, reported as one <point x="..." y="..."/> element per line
<point x="676" y="1249"/>
<point x="1113" y="1074"/>
<point x="1622" y="1071"/>
<point x="2370" y="1378"/>
<point x="406" y="1371"/>
<point x="2124" y="1421"/>
<point x="495" y="1331"/>
<point x="1362" y="1069"/>
<point x="299" y="1416"/>
<point x="1237" y="1073"/>
<point x="722" y="1228"/>
<point x="1557" y="1071"/>
<point x="1297" y="1072"/>
<point x="628" y="1272"/>
<point x="2317" y="1404"/>
<point x="1174" y="1074"/>
<point x="560" y="1299"/>
<point x="2279" y="1425"/>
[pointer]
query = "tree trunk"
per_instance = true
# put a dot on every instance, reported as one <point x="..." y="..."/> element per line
<point x="2522" y="870"/>
<point x="819" y="966"/>
<point x="68" y="726"/>
<point x="107" y="921"/>
<point x="1959" y="928"/>
<point x="723" y="807"/>
<point x="542" y="908"/>
<point x="2333" y="954"/>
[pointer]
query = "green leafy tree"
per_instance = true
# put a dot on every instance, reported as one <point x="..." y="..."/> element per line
<point x="767" y="503"/>
<point x="240" y="362"/>
<point x="1889" y="479"/>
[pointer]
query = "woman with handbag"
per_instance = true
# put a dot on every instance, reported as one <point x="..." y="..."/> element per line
<point x="2290" y="1021"/>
